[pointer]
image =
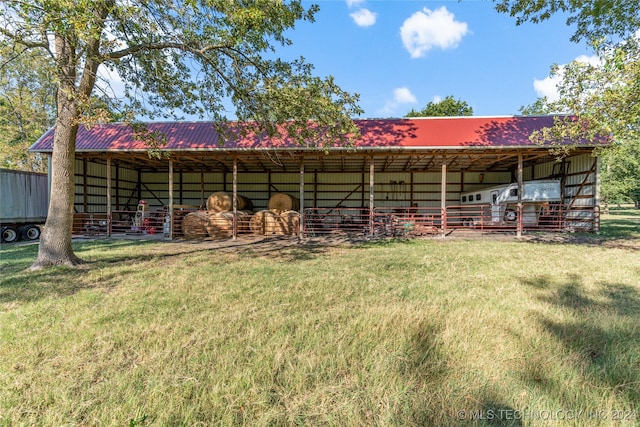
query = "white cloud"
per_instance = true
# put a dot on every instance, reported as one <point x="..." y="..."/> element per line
<point x="401" y="95"/>
<point x="427" y="29"/>
<point x="364" y="17"/>
<point x="548" y="87"/>
<point x="436" y="99"/>
<point x="354" y="3"/>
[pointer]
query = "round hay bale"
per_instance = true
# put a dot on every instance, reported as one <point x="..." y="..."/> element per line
<point x="221" y="201"/>
<point x="266" y="222"/>
<point x="290" y="221"/>
<point x="194" y="224"/>
<point x="244" y="203"/>
<point x="220" y="225"/>
<point x="283" y="202"/>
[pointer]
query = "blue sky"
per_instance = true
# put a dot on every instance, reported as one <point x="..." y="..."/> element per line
<point x="400" y="55"/>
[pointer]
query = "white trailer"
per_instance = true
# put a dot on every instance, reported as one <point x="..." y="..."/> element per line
<point x="24" y="201"/>
<point x="499" y="205"/>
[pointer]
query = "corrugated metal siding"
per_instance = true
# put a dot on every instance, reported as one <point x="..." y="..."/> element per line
<point x="24" y="196"/>
<point x="392" y="189"/>
<point x="581" y="180"/>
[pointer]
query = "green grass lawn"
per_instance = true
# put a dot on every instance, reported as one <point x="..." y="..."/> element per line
<point x="454" y="331"/>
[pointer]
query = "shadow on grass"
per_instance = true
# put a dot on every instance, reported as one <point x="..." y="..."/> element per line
<point x="600" y="337"/>
<point x="18" y="283"/>
<point x="426" y="367"/>
<point x="619" y="229"/>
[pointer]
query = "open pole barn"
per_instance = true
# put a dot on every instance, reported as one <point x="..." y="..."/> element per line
<point x="402" y="178"/>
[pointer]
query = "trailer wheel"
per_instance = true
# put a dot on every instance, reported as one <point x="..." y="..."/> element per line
<point x="9" y="234"/>
<point x="510" y="215"/>
<point x="30" y="232"/>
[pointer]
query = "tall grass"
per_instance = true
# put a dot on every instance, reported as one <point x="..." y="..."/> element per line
<point x="429" y="332"/>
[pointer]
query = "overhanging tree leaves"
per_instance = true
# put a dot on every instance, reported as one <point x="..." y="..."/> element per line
<point x="594" y="20"/>
<point x="603" y="103"/>
<point x="189" y="56"/>
<point x="603" y="99"/>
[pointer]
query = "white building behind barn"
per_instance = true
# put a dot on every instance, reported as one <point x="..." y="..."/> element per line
<point x="403" y="177"/>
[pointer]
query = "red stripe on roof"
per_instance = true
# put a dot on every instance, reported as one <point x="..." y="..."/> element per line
<point x="383" y="133"/>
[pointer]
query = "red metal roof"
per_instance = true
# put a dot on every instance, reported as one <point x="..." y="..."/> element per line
<point x="440" y="132"/>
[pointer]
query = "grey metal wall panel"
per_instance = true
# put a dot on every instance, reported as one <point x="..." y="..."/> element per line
<point x="24" y="196"/>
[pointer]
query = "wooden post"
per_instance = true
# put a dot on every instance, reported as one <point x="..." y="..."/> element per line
<point x="108" y="196"/>
<point x="85" y="205"/>
<point x="170" y="198"/>
<point x="180" y="188"/>
<point x="443" y="195"/>
<point x="520" y="190"/>
<point x="315" y="189"/>
<point x="372" y="171"/>
<point x="117" y="187"/>
<point x="202" y="201"/>
<point x="301" y="225"/>
<point x="596" y="196"/>
<point x="235" y="199"/>
<point x="411" y="190"/>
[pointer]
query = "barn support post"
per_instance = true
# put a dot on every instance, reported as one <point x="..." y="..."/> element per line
<point x="117" y="189"/>
<point x="139" y="184"/>
<point x="520" y="190"/>
<point x="301" y="225"/>
<point x="443" y="195"/>
<point x="171" y="199"/>
<point x="108" y="196"/>
<point x="596" y="196"/>
<point x="202" y="202"/>
<point x="315" y="189"/>
<point x="85" y="203"/>
<point x="411" y="189"/>
<point x="180" y="188"/>
<point x="363" y="183"/>
<point x="234" y="222"/>
<point x="372" y="171"/>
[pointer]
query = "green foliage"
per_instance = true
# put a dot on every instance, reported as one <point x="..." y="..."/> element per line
<point x="448" y="107"/>
<point x="539" y="108"/>
<point x="188" y="57"/>
<point x="602" y="102"/>
<point x="621" y="173"/>
<point x="27" y="107"/>
<point x="602" y="99"/>
<point x="593" y="19"/>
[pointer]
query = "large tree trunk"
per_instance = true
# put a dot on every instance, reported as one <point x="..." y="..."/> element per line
<point x="55" y="241"/>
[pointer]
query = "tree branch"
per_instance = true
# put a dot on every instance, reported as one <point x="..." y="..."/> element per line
<point x="20" y="40"/>
<point x="132" y="50"/>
